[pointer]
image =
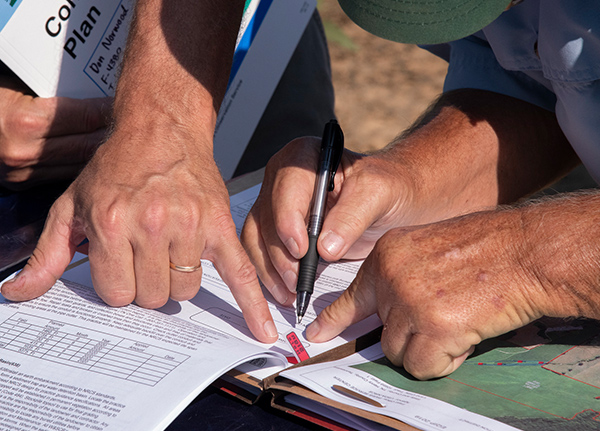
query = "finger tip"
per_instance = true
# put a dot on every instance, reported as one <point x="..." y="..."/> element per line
<point x="270" y="332"/>
<point x="11" y="284"/>
<point x="5" y="288"/>
<point x="312" y="331"/>
<point x="17" y="289"/>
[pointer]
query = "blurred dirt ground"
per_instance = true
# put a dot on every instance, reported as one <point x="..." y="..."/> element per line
<point x="381" y="86"/>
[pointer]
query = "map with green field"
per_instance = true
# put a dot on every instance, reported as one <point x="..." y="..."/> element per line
<point x="543" y="377"/>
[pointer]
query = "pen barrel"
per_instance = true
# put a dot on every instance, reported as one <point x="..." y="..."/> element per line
<point x="308" y="267"/>
<point x="317" y="213"/>
<point x="315" y="223"/>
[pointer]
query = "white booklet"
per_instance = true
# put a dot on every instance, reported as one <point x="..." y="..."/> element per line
<point x="349" y="381"/>
<point x="74" y="49"/>
<point x="67" y="359"/>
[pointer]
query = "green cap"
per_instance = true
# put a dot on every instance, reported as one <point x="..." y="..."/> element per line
<point x="423" y="21"/>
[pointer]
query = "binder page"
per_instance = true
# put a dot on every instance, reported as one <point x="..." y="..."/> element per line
<point x="69" y="361"/>
<point x="345" y="381"/>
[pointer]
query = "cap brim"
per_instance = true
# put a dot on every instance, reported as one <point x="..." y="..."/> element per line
<point x="423" y="21"/>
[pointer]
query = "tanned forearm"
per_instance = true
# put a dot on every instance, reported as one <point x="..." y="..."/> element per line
<point x="475" y="149"/>
<point x="177" y="63"/>
<point x="561" y="249"/>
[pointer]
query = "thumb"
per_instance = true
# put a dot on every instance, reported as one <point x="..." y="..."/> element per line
<point x="52" y="255"/>
<point x="356" y="303"/>
<point x="357" y="208"/>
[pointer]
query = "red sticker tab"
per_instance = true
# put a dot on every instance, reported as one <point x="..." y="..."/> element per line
<point x="296" y="344"/>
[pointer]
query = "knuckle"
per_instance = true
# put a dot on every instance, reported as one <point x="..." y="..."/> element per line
<point x="223" y="221"/>
<point x="59" y="226"/>
<point x="111" y="220"/>
<point x="154" y="218"/>
<point x="352" y="219"/>
<point x="391" y="351"/>
<point x="329" y="315"/>
<point x="417" y="371"/>
<point x="189" y="218"/>
<point x="25" y="122"/>
<point x="255" y="303"/>
<point x="246" y="272"/>
<point x="385" y="267"/>
<point x="15" y="156"/>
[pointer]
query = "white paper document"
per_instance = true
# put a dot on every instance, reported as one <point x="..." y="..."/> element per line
<point x="69" y="361"/>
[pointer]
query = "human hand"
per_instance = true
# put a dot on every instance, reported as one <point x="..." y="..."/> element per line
<point x="46" y="139"/>
<point x="440" y="289"/>
<point x="371" y="196"/>
<point x="141" y="209"/>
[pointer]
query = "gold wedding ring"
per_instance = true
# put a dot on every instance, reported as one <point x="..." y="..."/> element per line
<point x="181" y="268"/>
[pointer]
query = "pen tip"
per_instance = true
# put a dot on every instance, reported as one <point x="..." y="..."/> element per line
<point x="299" y="320"/>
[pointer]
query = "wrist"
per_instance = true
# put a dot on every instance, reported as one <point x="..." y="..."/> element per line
<point x="446" y="183"/>
<point x="562" y="253"/>
<point x="475" y="149"/>
<point x="187" y="107"/>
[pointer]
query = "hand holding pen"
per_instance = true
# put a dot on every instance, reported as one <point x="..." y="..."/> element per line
<point x="332" y="146"/>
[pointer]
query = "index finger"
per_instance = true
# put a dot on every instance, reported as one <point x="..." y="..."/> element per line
<point x="236" y="270"/>
<point x="291" y="194"/>
<point x="356" y="303"/>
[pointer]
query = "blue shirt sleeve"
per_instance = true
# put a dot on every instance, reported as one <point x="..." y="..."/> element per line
<point x="473" y="64"/>
<point x="546" y="52"/>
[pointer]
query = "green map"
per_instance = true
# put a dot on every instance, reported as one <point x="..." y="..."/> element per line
<point x="543" y="377"/>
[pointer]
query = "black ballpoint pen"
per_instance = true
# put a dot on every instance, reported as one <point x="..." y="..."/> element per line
<point x="332" y="147"/>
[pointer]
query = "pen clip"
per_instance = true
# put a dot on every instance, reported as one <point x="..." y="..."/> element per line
<point x="336" y="151"/>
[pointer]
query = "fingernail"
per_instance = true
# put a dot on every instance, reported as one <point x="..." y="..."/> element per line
<point x="291" y="279"/>
<point x="313" y="330"/>
<point x="279" y="293"/>
<point x="6" y="282"/>
<point x="9" y="281"/>
<point x="292" y="247"/>
<point x="270" y="329"/>
<point x="332" y="242"/>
